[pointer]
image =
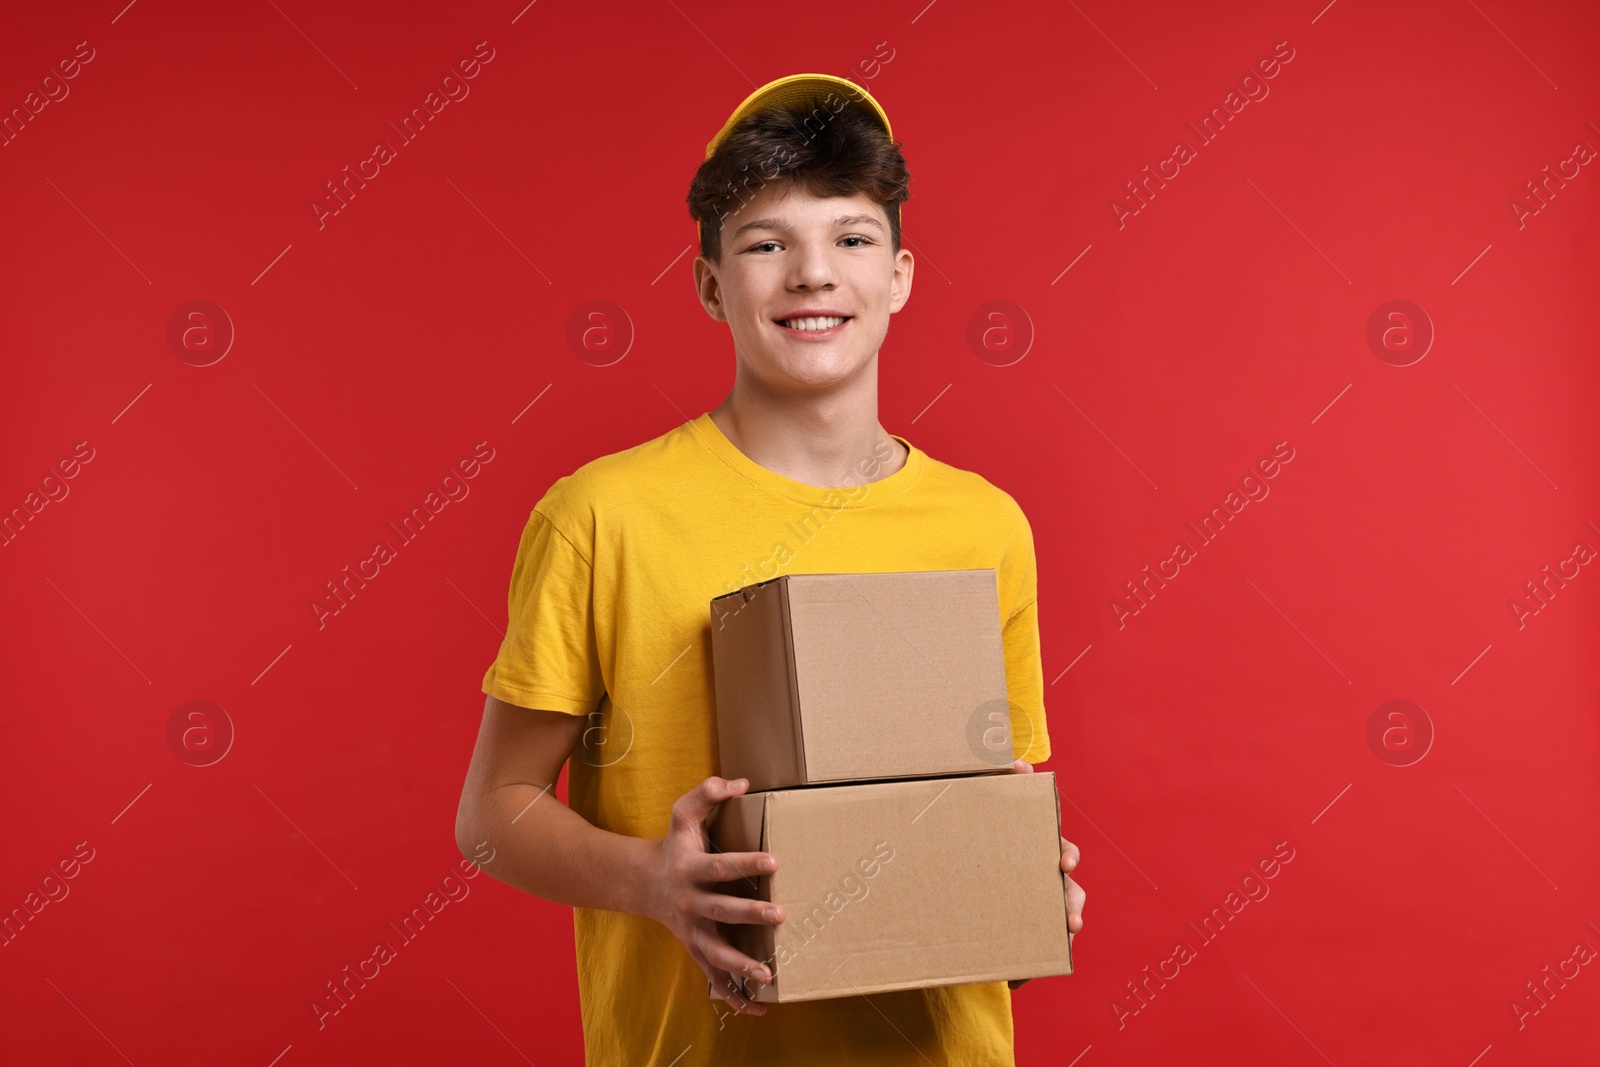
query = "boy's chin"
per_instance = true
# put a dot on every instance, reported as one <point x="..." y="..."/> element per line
<point x="811" y="381"/>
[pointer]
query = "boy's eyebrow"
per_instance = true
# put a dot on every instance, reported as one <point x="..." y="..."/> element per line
<point x="771" y="223"/>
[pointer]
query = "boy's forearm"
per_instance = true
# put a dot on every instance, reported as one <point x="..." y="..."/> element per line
<point x="545" y="848"/>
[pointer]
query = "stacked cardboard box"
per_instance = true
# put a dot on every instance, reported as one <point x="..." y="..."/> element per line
<point x="869" y="713"/>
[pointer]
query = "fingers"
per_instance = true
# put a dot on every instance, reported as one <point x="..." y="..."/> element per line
<point x="1075" y="898"/>
<point x="719" y="907"/>
<point x="1021" y="766"/>
<point x="724" y="957"/>
<point x="732" y="866"/>
<point x="727" y="990"/>
<point x="724" y="987"/>
<point x="1075" y="894"/>
<point x="691" y="809"/>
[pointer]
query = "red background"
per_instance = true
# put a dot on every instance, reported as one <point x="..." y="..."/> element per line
<point x="371" y="354"/>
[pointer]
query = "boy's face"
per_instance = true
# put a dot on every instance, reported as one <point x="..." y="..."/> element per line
<point x="786" y="252"/>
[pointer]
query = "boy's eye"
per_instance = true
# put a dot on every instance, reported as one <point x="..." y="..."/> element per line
<point x="852" y="237"/>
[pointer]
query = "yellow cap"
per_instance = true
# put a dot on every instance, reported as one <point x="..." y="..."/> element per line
<point x="801" y="89"/>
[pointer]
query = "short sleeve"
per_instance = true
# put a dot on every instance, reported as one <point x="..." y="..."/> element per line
<point x="548" y="659"/>
<point x="1025" y="684"/>
<point x="1030" y="737"/>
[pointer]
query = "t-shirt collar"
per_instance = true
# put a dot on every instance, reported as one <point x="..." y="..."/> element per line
<point x="857" y="493"/>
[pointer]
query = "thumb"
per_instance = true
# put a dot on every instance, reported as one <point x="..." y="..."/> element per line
<point x="694" y="807"/>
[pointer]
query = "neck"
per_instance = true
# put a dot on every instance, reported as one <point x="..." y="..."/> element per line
<point x="826" y="441"/>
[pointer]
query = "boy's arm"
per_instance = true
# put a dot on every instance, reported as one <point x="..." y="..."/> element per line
<point x="543" y="847"/>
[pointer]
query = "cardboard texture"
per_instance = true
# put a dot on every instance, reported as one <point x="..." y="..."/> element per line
<point x="902" y="884"/>
<point x="824" y="678"/>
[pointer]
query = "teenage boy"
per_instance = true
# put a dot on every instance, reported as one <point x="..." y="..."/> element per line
<point x="606" y="664"/>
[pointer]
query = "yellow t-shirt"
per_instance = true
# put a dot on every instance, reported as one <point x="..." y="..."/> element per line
<point x="610" y="618"/>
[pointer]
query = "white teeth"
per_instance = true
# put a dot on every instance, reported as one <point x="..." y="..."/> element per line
<point x="812" y="324"/>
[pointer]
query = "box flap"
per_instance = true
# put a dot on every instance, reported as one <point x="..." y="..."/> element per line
<point x="758" y="728"/>
<point x="791" y="683"/>
<point x="740" y="825"/>
<point x="1055" y="793"/>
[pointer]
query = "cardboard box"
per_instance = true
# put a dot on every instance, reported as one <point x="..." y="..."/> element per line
<point x="849" y="677"/>
<point x="901" y="885"/>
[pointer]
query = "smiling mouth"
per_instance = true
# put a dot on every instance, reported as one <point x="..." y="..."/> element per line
<point x="822" y="324"/>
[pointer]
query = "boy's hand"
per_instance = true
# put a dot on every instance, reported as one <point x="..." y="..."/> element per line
<point x="1075" y="893"/>
<point x="681" y="892"/>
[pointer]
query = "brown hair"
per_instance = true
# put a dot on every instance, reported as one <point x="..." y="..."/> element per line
<point x="827" y="151"/>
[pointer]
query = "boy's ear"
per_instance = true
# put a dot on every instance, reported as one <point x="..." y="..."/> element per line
<point x="708" y="288"/>
<point x="904" y="270"/>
